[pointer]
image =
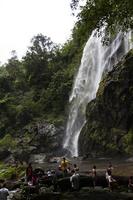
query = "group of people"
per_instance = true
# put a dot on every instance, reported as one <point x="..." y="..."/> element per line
<point x="112" y="183"/>
<point x="108" y="175"/>
<point x="66" y="169"/>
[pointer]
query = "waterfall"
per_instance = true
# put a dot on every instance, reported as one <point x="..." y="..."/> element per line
<point x="96" y="60"/>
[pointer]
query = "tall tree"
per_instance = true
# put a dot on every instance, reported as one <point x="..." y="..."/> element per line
<point x="37" y="60"/>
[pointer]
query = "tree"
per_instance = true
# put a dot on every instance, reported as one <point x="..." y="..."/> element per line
<point x="55" y="98"/>
<point x="116" y="15"/>
<point x="37" y="60"/>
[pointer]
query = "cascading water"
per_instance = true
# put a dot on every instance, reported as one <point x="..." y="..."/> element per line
<point x="96" y="60"/>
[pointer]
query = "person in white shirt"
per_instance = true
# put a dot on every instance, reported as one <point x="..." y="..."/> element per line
<point x="110" y="180"/>
<point x="74" y="179"/>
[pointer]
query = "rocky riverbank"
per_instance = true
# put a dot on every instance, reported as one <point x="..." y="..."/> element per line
<point x="121" y="171"/>
<point x="84" y="194"/>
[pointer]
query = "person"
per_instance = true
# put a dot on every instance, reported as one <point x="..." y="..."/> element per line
<point x="64" y="165"/>
<point x="29" y="172"/>
<point x="110" y="167"/>
<point x="58" y="174"/>
<point x="75" y="167"/>
<point x="110" y="180"/>
<point x="94" y="175"/>
<point x="4" y="192"/>
<point x="130" y="183"/>
<point x="74" y="179"/>
<point x="34" y="179"/>
<point x="49" y="174"/>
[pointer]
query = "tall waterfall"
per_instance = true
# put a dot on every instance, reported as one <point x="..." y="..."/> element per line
<point x="96" y="60"/>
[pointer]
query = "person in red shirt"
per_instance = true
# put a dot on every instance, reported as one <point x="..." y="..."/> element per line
<point x="29" y="172"/>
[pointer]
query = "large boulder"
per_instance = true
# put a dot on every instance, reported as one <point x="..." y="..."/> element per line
<point x="37" y="142"/>
<point x="47" y="137"/>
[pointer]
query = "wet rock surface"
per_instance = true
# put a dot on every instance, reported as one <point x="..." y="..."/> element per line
<point x="109" y="126"/>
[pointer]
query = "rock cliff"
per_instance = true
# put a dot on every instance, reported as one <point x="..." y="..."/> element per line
<point x="109" y="125"/>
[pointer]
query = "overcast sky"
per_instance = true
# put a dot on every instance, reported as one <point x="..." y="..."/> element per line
<point x="20" y="20"/>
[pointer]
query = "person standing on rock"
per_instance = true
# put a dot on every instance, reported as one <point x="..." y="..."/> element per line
<point x="94" y="173"/>
<point x="110" y="167"/>
<point x="111" y="181"/>
<point x="64" y="165"/>
<point x="74" y="180"/>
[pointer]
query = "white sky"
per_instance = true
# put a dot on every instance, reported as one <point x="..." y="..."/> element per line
<point x="20" y="20"/>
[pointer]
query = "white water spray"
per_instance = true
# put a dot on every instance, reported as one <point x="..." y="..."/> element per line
<point x="96" y="59"/>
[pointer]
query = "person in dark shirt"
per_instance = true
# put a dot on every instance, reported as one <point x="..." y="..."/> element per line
<point x="58" y="174"/>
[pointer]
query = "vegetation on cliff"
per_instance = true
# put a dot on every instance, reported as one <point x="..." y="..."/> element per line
<point x="116" y="15"/>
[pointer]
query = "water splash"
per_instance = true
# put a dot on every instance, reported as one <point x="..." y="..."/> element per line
<point x="96" y="60"/>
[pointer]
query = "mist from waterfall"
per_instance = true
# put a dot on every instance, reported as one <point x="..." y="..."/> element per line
<point x="96" y="60"/>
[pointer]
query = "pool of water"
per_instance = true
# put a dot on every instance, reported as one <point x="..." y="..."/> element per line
<point x="122" y="167"/>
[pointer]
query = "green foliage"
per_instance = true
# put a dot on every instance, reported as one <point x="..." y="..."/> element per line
<point x="37" y="60"/>
<point x="38" y="86"/>
<point x="128" y="141"/>
<point x="9" y="172"/>
<point x="57" y="93"/>
<point x="7" y="142"/>
<point x="117" y="15"/>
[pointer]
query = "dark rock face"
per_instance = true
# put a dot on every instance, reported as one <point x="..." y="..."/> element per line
<point x="47" y="137"/>
<point x="109" y="126"/>
<point x="38" y="141"/>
